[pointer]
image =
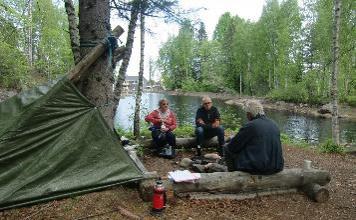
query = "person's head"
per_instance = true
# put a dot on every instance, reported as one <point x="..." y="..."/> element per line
<point x="163" y="104"/>
<point x="206" y="102"/>
<point x="253" y="108"/>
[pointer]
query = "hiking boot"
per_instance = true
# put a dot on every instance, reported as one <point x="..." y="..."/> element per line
<point x="167" y="152"/>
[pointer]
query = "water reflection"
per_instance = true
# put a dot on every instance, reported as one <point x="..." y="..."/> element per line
<point x="300" y="127"/>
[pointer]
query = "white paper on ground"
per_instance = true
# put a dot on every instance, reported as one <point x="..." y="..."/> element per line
<point x="183" y="176"/>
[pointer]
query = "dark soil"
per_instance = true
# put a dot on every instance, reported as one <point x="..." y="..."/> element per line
<point x="103" y="205"/>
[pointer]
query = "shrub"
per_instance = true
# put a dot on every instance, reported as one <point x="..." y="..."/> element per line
<point x="127" y="133"/>
<point x="230" y="120"/>
<point x="330" y="147"/>
<point x="286" y="139"/>
<point x="351" y="100"/>
<point x="294" y="93"/>
<point x="190" y="85"/>
<point x="185" y="130"/>
<point x="13" y="67"/>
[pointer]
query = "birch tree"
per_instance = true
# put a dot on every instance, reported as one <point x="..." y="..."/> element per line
<point x="335" y="72"/>
<point x="140" y="74"/>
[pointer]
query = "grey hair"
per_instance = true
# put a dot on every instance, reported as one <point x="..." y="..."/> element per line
<point x="205" y="99"/>
<point x="161" y="101"/>
<point x="254" y="107"/>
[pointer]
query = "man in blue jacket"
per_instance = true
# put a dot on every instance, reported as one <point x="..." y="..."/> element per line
<point x="256" y="148"/>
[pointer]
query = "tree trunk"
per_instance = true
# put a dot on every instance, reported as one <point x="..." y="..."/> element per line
<point x="127" y="54"/>
<point x="140" y="78"/>
<point x="94" y="26"/>
<point x="73" y="30"/>
<point x="29" y="34"/>
<point x="335" y="72"/>
<point x="240" y="83"/>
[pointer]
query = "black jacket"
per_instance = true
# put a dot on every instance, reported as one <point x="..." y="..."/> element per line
<point x="208" y="116"/>
<point x="257" y="147"/>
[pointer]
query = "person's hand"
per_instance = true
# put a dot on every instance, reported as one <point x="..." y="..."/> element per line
<point x="200" y="121"/>
<point x="215" y="124"/>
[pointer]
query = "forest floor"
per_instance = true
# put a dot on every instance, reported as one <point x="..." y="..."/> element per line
<point x="104" y="204"/>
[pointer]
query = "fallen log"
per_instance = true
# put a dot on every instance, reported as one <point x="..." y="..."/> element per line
<point x="188" y="142"/>
<point x="245" y="182"/>
<point x="305" y="180"/>
<point x="316" y="192"/>
<point x="236" y="196"/>
<point x="75" y="73"/>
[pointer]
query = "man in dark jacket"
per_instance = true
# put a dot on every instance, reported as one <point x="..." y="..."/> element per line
<point x="207" y="121"/>
<point x="256" y="148"/>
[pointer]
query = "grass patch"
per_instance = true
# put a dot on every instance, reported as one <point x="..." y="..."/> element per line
<point x="287" y="140"/>
<point x="330" y="147"/>
<point x="184" y="131"/>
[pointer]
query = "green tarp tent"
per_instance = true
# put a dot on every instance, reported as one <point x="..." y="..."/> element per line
<point x="54" y="143"/>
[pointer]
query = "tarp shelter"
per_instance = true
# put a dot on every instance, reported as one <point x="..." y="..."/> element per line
<point x="54" y="143"/>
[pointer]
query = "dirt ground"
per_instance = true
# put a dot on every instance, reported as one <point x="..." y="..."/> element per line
<point x="105" y="204"/>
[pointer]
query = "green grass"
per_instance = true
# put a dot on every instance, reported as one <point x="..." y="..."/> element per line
<point x="184" y="131"/>
<point x="330" y="147"/>
<point x="285" y="139"/>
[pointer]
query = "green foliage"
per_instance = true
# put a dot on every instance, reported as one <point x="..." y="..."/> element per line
<point x="144" y="132"/>
<point x="285" y="139"/>
<point x="190" y="85"/>
<point x="294" y="93"/>
<point x="285" y="54"/>
<point x="351" y="100"/>
<point x="313" y="88"/>
<point x="140" y="150"/>
<point x="13" y="67"/>
<point x="39" y="28"/>
<point x="330" y="147"/>
<point x="230" y="120"/>
<point x="185" y="130"/>
<point x="126" y="133"/>
<point x="53" y="47"/>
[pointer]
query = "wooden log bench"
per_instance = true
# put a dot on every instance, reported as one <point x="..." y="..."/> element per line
<point x="240" y="185"/>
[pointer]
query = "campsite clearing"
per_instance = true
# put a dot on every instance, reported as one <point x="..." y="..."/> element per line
<point x="104" y="204"/>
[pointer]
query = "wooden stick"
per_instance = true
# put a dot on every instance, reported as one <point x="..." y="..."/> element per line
<point x="119" y="209"/>
<point x="75" y="73"/>
<point x="127" y="213"/>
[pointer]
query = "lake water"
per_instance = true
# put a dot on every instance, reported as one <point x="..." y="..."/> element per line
<point x="310" y="129"/>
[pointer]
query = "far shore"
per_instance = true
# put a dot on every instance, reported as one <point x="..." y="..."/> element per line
<point x="345" y="112"/>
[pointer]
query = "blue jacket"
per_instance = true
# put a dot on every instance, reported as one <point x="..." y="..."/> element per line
<point x="257" y="147"/>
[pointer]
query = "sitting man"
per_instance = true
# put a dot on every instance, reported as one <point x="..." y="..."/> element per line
<point x="207" y="121"/>
<point x="163" y="123"/>
<point x="256" y="148"/>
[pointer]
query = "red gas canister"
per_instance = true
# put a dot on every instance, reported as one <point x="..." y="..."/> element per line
<point x="159" y="197"/>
